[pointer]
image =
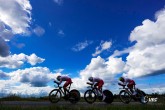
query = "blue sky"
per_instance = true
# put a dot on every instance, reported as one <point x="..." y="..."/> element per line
<point x="80" y="38"/>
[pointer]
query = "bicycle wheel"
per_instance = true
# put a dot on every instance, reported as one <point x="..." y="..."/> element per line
<point x="90" y="96"/>
<point x="109" y="96"/>
<point x="143" y="97"/>
<point x="54" y="95"/>
<point x="74" y="96"/>
<point x="125" y="96"/>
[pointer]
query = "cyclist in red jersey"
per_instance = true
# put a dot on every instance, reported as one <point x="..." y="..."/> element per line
<point x="123" y="81"/>
<point x="64" y="78"/>
<point x="98" y="83"/>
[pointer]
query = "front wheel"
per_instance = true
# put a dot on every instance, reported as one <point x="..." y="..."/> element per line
<point x="125" y="96"/>
<point x="90" y="96"/>
<point x="74" y="96"/>
<point x="54" y="95"/>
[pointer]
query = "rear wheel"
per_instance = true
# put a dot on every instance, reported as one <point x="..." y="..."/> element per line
<point x="125" y="96"/>
<point x="109" y="96"/>
<point x="90" y="96"/>
<point x="54" y="95"/>
<point x="74" y="96"/>
<point x="143" y="97"/>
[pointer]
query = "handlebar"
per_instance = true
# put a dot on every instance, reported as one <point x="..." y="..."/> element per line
<point x="89" y="83"/>
<point x="56" y="83"/>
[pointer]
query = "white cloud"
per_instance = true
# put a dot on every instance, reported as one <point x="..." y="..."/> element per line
<point x="118" y="53"/>
<point x="16" y="14"/>
<point x="101" y="68"/>
<point x="147" y="55"/>
<point x="9" y="87"/>
<point x="61" y="33"/>
<point x="36" y="76"/>
<point x="59" y="2"/>
<point x="39" y="31"/>
<point x="59" y="70"/>
<point x="5" y="34"/>
<point x="17" y="60"/>
<point x="33" y="59"/>
<point x="27" y="82"/>
<point x="81" y="45"/>
<point x="15" y="18"/>
<point x="104" y="45"/>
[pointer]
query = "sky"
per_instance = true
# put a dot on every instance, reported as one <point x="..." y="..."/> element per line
<point x="41" y="39"/>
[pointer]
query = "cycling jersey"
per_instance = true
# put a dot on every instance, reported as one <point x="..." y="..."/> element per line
<point x="127" y="81"/>
<point x="99" y="82"/>
<point x="67" y="79"/>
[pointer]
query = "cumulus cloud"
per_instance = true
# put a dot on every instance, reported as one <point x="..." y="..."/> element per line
<point x="22" y="89"/>
<point x="16" y="14"/>
<point x="101" y="68"/>
<point x="147" y="55"/>
<point x="39" y="31"/>
<point x="27" y="82"/>
<point x="33" y="59"/>
<point x="5" y="34"/>
<point x="104" y="45"/>
<point x="81" y="45"/>
<point x="17" y="60"/>
<point x="36" y="76"/>
<point x="15" y="18"/>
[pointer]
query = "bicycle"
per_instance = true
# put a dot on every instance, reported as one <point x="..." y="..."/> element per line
<point x="126" y="96"/>
<point x="56" y="94"/>
<point x="92" y="94"/>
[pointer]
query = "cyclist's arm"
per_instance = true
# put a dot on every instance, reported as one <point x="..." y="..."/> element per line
<point x="121" y="83"/>
<point x="59" y="82"/>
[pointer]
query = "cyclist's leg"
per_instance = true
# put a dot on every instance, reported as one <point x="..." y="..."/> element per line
<point x="69" y="81"/>
<point x="131" y="86"/>
<point x="96" y="86"/>
<point x="100" y="85"/>
<point x="65" y="85"/>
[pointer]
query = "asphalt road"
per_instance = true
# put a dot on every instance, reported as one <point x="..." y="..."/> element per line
<point x="64" y="103"/>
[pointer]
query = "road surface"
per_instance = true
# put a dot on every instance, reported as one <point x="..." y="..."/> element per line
<point x="64" y="103"/>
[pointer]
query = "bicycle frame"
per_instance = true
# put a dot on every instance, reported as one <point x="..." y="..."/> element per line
<point x="127" y="89"/>
<point x="138" y="94"/>
<point x="62" y="90"/>
<point x="95" y="89"/>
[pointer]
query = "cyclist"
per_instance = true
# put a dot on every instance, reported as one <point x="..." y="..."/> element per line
<point x="123" y="81"/>
<point x="97" y="83"/>
<point x="64" y="78"/>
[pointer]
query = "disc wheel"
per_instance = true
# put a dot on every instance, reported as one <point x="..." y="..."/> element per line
<point x="109" y="96"/>
<point x="74" y="96"/>
<point x="143" y="97"/>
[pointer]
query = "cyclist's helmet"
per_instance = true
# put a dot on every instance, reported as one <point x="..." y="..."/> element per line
<point x="58" y="78"/>
<point x="90" y="79"/>
<point x="121" y="79"/>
